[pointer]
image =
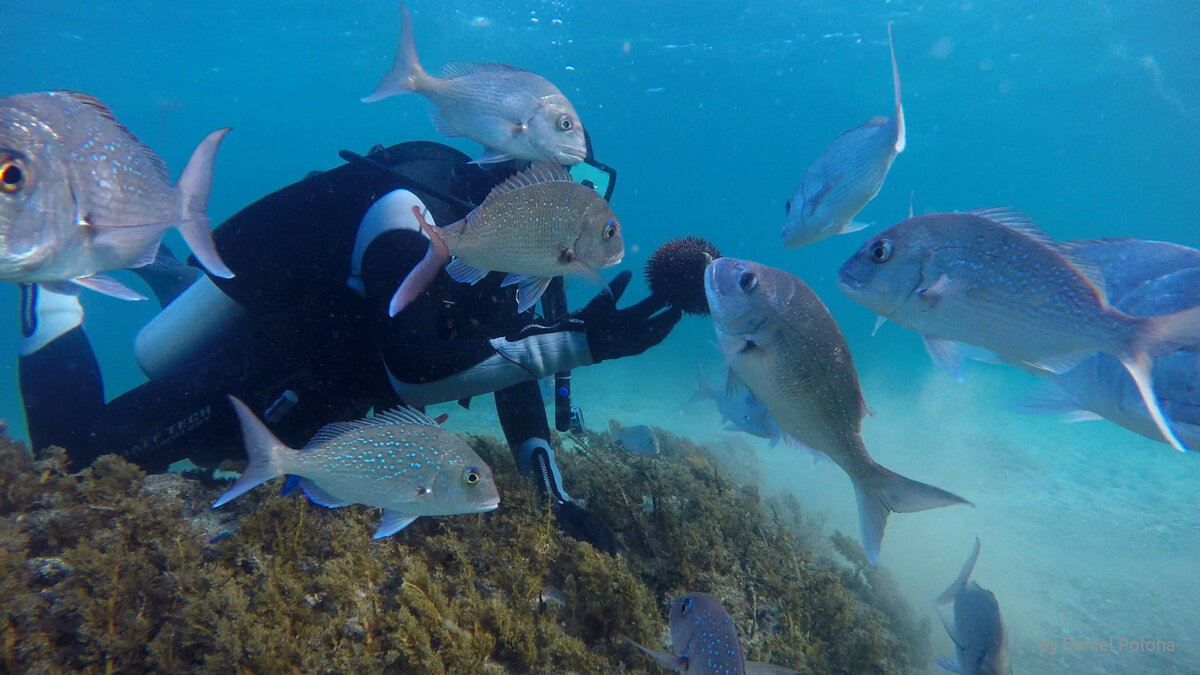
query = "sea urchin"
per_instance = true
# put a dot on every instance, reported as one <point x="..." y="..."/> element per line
<point x="675" y="272"/>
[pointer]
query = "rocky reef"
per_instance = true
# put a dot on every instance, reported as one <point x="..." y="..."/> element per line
<point x="113" y="570"/>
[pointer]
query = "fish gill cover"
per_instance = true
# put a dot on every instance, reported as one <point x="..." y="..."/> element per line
<point x="112" y="569"/>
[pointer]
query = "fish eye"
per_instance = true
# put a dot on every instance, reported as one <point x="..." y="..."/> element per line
<point x="565" y="123"/>
<point x="471" y="475"/>
<point x="610" y="229"/>
<point x="685" y="606"/>
<point x="748" y="281"/>
<point x="787" y="206"/>
<point x="12" y="176"/>
<point x="881" y="250"/>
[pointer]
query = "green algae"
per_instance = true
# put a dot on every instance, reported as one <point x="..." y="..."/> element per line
<point x="111" y="570"/>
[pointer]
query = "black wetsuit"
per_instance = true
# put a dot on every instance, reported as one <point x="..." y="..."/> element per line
<point x="310" y="333"/>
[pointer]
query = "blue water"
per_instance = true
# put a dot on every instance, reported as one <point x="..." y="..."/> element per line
<point x="1083" y="114"/>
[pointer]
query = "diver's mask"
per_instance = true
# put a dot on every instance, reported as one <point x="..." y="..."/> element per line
<point x="596" y="175"/>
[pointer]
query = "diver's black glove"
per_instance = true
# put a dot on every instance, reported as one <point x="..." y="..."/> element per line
<point x="579" y="523"/>
<point x="613" y="333"/>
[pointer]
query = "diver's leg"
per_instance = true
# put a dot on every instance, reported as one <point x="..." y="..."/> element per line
<point x="523" y="417"/>
<point x="59" y="378"/>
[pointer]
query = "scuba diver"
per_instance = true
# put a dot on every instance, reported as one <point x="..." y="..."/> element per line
<point x="301" y="333"/>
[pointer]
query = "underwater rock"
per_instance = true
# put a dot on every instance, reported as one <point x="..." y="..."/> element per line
<point x="112" y="570"/>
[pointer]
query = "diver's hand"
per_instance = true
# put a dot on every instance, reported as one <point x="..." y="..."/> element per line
<point x="613" y="333"/>
<point x="582" y="525"/>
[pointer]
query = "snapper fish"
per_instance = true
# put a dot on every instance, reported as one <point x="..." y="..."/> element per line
<point x="536" y="225"/>
<point x="846" y="176"/>
<point x="992" y="280"/>
<point x="1142" y="278"/>
<point x="513" y="113"/>
<point x="704" y="641"/>
<point x="783" y="343"/>
<point x="977" y="630"/>
<point x="400" y="461"/>
<point x="636" y="440"/>
<point x="80" y="195"/>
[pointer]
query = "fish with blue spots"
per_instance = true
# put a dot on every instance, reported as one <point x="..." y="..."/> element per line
<point x="704" y="641"/>
<point x="400" y="461"/>
<point x="80" y="195"/>
<point x="846" y="176"/>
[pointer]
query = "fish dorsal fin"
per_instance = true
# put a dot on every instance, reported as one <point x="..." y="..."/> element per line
<point x="383" y="419"/>
<point x="156" y="163"/>
<point x="1016" y="220"/>
<point x="546" y="171"/>
<point x="876" y="121"/>
<point x="460" y="68"/>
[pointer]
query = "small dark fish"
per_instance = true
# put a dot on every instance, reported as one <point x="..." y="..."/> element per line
<point x="991" y="279"/>
<point x="846" y="176"/>
<point x="783" y="343"/>
<point x="1143" y="278"/>
<point x="513" y="113"/>
<point x="399" y="461"/>
<point x="80" y="195"/>
<point x="536" y="225"/>
<point x="977" y="629"/>
<point x="705" y="641"/>
<point x="636" y="440"/>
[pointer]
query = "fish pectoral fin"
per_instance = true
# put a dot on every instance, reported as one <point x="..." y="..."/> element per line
<point x="102" y="283"/>
<point x="938" y="288"/>
<point x="392" y="522"/>
<point x="464" y="273"/>
<point x="319" y="496"/>
<point x="491" y="156"/>
<point x="149" y="256"/>
<point x="948" y="356"/>
<point x="576" y="266"/>
<point x="668" y="661"/>
<point x="811" y="202"/>
<point x="529" y="289"/>
<point x="948" y="624"/>
<point x="854" y="226"/>
<point x="1058" y="364"/>
<point x="442" y="126"/>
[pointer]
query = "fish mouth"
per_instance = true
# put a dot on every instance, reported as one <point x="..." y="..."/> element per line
<point x="491" y="504"/>
<point x="848" y="283"/>
<point x="569" y="157"/>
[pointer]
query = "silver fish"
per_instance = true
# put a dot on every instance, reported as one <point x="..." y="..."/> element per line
<point x="80" y="195"/>
<point x="977" y="630"/>
<point x="513" y="113"/>
<point x="400" y="461"/>
<point x="1143" y="278"/>
<point x="739" y="408"/>
<point x="989" y="278"/>
<point x="636" y="440"/>
<point x="783" y="343"/>
<point x="848" y="173"/>
<point x="705" y="641"/>
<point x="536" y="225"/>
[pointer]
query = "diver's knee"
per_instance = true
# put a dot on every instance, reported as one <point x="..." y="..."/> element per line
<point x="392" y="211"/>
<point x="46" y="316"/>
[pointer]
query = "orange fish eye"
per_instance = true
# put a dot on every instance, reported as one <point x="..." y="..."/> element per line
<point x="12" y="175"/>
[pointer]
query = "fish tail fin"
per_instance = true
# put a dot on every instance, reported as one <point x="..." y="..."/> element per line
<point x="1160" y="335"/>
<point x="900" y="142"/>
<point x="959" y="583"/>
<point x="704" y="387"/>
<point x="425" y="272"/>
<point x="887" y="492"/>
<point x="193" y="187"/>
<point x="406" y="73"/>
<point x="263" y="452"/>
